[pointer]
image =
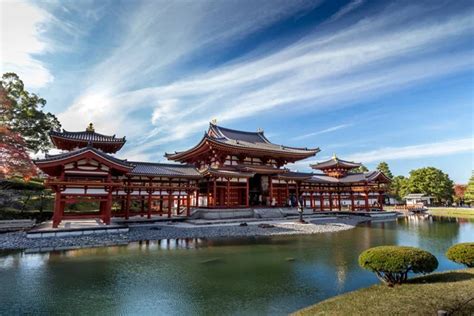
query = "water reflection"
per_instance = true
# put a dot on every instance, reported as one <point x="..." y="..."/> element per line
<point x="212" y="276"/>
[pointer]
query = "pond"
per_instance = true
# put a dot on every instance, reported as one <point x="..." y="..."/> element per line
<point x="274" y="275"/>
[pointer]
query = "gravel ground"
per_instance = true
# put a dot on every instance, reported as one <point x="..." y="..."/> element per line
<point x="18" y="240"/>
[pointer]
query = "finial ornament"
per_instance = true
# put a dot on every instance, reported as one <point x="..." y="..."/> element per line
<point x="334" y="157"/>
<point x="90" y="128"/>
<point x="214" y="121"/>
<point x="259" y="130"/>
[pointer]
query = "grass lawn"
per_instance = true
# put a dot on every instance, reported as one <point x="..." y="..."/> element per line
<point x="452" y="291"/>
<point x="452" y="212"/>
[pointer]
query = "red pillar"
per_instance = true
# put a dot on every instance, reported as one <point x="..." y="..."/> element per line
<point x="339" y="201"/>
<point x="170" y="202"/>
<point x="214" y="193"/>
<point x="127" y="204"/>
<point x="381" y="200"/>
<point x="228" y="193"/>
<point x="330" y="201"/>
<point x="57" y="210"/>
<point x="108" y="208"/>
<point x="197" y="198"/>
<point x="188" y="204"/>
<point x="270" y="196"/>
<point x="247" y="193"/>
<point x="367" y="201"/>
<point x="321" y="201"/>
<point x="149" y="204"/>
<point x="352" y="202"/>
<point x="311" y="201"/>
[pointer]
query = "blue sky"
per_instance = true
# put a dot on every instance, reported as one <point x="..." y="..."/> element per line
<point x="368" y="80"/>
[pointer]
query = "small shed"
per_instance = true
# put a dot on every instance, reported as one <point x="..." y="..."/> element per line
<point x="418" y="198"/>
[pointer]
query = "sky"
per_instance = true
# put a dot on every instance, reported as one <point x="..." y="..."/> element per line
<point x="367" y="80"/>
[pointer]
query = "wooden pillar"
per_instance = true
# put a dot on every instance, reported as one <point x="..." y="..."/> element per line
<point x="339" y="201"/>
<point x="188" y="204"/>
<point x="311" y="200"/>
<point x="321" y="201"/>
<point x="161" y="203"/>
<point x="108" y="208"/>
<point x="367" y="201"/>
<point x="150" y="192"/>
<point x="352" y="202"/>
<point x="381" y="200"/>
<point x="247" y="193"/>
<point x="57" y="210"/>
<point x="197" y="198"/>
<point x="142" y="204"/>
<point x="127" y="204"/>
<point x="214" y="193"/>
<point x="287" y="192"/>
<point x="270" y="185"/>
<point x="227" y="200"/>
<point x="330" y="201"/>
<point x="170" y="202"/>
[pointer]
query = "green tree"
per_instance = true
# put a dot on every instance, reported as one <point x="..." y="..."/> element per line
<point x="432" y="182"/>
<point x="383" y="167"/>
<point x="399" y="187"/>
<point x="25" y="114"/>
<point x="469" y="193"/>
<point x="360" y="169"/>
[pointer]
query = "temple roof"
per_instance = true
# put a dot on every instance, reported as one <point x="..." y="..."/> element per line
<point x="227" y="173"/>
<point x="52" y="163"/>
<point x="335" y="162"/>
<point x="164" y="170"/>
<point x="70" y="140"/>
<point x="242" y="142"/>
<point x="350" y="178"/>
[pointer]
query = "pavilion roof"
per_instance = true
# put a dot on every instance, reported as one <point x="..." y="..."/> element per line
<point x="242" y="142"/>
<point x="335" y="162"/>
<point x="232" y="173"/>
<point x="68" y="140"/>
<point x="164" y="170"/>
<point x="370" y="176"/>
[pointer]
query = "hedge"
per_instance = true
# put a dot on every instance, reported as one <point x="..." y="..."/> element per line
<point x="392" y="264"/>
<point x="462" y="253"/>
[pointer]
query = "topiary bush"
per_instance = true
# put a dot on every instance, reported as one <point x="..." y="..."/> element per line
<point x="391" y="264"/>
<point x="462" y="253"/>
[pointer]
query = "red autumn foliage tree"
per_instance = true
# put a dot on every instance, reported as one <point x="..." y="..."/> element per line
<point x="14" y="158"/>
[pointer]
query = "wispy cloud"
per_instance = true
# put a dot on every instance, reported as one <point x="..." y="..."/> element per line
<point x="373" y="56"/>
<point x="323" y="131"/>
<point x="21" y="40"/>
<point x="437" y="149"/>
<point x="346" y="9"/>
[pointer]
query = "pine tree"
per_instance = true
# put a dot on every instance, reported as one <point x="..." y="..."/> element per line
<point x="383" y="167"/>
<point x="469" y="193"/>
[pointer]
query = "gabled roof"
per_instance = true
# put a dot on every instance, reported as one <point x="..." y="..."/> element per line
<point x="252" y="143"/>
<point x="53" y="161"/>
<point x="163" y="170"/>
<point x="335" y="162"/>
<point x="68" y="140"/>
<point x="370" y="176"/>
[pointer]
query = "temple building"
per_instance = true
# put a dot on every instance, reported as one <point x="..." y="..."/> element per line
<point x="226" y="169"/>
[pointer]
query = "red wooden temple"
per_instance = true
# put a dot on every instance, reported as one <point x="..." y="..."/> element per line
<point x="226" y="169"/>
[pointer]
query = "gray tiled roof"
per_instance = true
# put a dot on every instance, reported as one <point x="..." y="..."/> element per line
<point x="333" y="162"/>
<point x="87" y="137"/>
<point x="164" y="169"/>
<point x="349" y="178"/>
<point x="230" y="134"/>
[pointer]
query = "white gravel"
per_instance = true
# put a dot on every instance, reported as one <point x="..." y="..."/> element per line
<point x="18" y="240"/>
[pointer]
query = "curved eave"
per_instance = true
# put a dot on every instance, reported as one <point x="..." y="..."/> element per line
<point x="48" y="163"/>
<point x="155" y="175"/>
<point x="227" y="174"/>
<point x="206" y="140"/>
<point x="57" y="138"/>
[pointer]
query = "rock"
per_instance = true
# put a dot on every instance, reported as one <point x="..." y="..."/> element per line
<point x="244" y="224"/>
<point x="289" y="259"/>
<point x="264" y="225"/>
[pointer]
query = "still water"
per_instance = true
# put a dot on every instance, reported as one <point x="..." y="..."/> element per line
<point x="273" y="276"/>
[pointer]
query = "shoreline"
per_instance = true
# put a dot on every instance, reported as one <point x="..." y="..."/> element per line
<point x="169" y="230"/>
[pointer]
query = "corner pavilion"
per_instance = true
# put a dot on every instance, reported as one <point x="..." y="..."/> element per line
<point x="226" y="169"/>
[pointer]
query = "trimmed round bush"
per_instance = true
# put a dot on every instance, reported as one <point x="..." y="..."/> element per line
<point x="392" y="264"/>
<point x="462" y="253"/>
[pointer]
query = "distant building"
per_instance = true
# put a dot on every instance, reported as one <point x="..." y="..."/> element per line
<point x="418" y="198"/>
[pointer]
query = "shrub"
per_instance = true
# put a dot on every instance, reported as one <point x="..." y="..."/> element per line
<point x="462" y="253"/>
<point x="391" y="264"/>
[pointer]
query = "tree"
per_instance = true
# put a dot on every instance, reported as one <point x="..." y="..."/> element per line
<point x="24" y="114"/>
<point x="459" y="191"/>
<point x="360" y="169"/>
<point x="462" y="253"/>
<point x="383" y="167"/>
<point x="392" y="264"/>
<point x="469" y="193"/>
<point x="432" y="182"/>
<point x="399" y="187"/>
<point x="14" y="158"/>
